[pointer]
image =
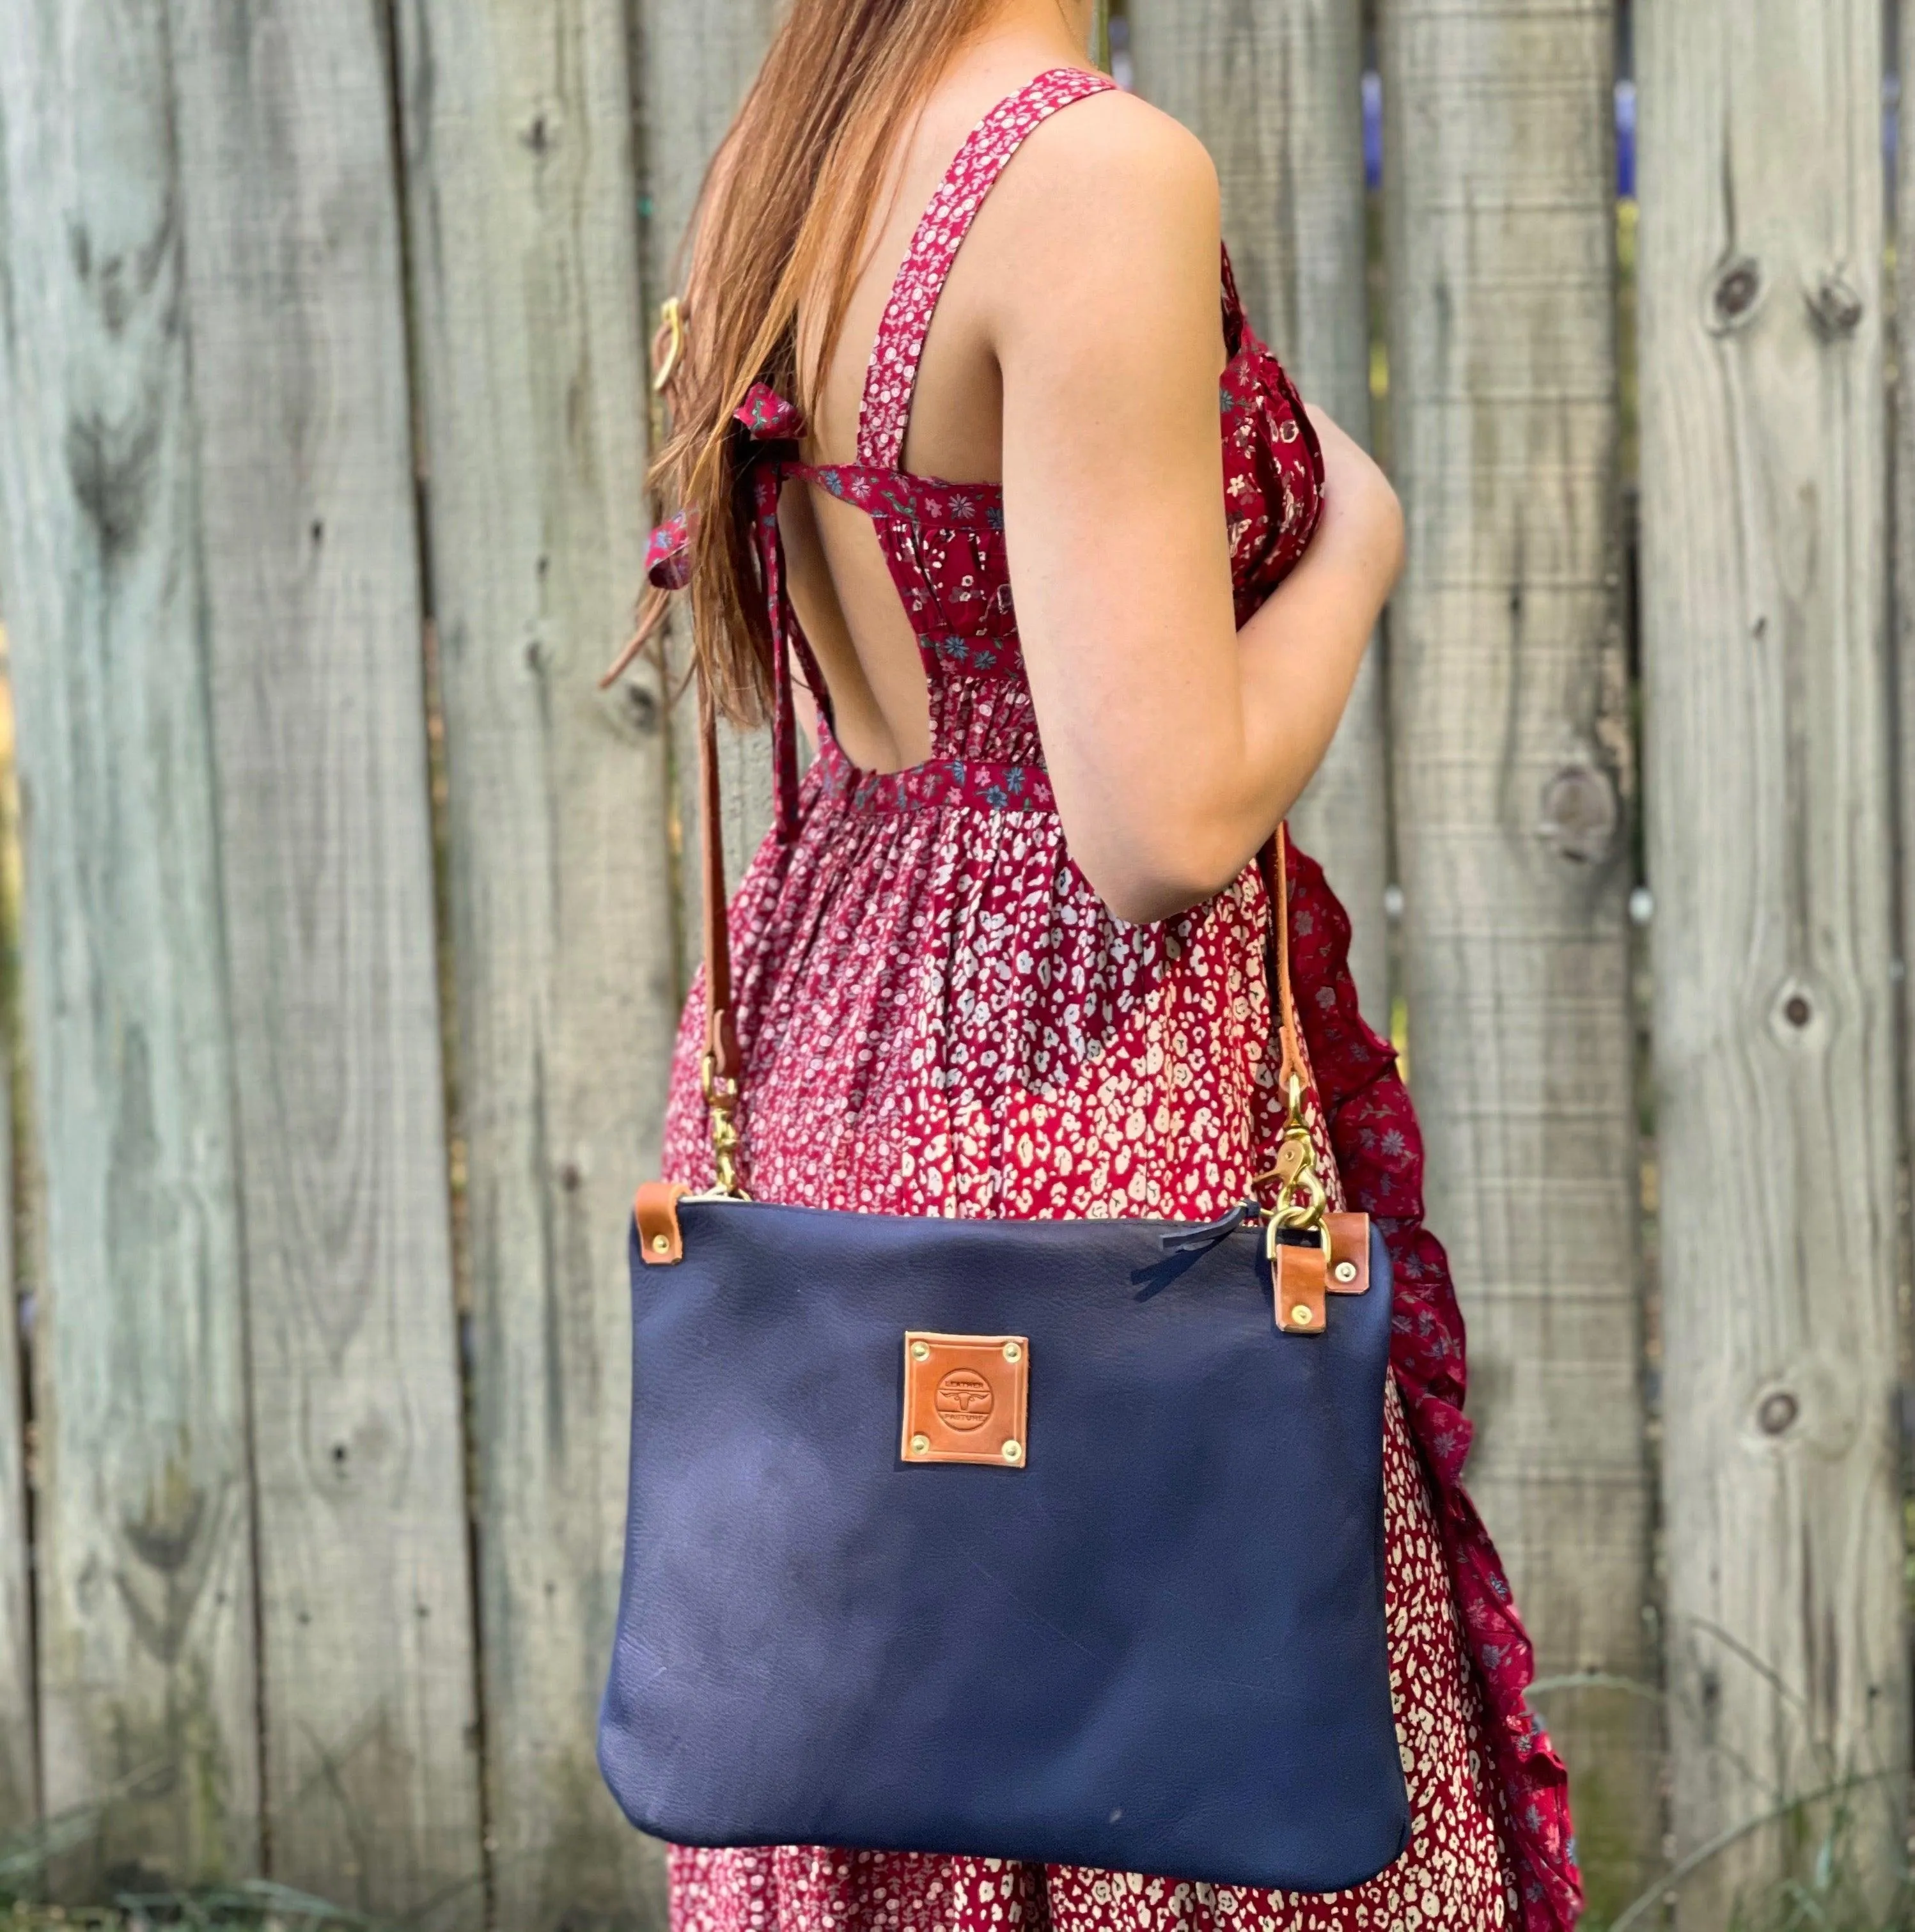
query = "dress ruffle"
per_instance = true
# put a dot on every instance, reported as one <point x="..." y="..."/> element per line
<point x="1379" y="1149"/>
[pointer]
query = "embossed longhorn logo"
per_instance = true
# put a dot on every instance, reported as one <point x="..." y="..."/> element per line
<point x="965" y="1400"/>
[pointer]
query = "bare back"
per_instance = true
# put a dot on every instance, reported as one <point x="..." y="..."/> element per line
<point x="1059" y="341"/>
<point x="840" y="585"/>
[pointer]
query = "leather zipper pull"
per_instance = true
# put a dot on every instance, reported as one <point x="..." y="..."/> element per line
<point x="1182" y="1240"/>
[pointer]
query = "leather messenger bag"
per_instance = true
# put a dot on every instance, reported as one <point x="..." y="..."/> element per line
<point x="1049" y="1541"/>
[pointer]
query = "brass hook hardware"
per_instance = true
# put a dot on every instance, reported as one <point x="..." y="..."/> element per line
<point x="720" y="1097"/>
<point x="671" y="325"/>
<point x="1302" y="1199"/>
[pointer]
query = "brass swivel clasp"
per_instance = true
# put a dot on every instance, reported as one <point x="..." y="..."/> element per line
<point x="1301" y="1198"/>
<point x="721" y="1100"/>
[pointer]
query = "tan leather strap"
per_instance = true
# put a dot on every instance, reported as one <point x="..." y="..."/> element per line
<point x="721" y="1035"/>
<point x="1274" y="862"/>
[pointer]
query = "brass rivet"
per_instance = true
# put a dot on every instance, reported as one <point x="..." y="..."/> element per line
<point x="1013" y="1451"/>
<point x="1346" y="1271"/>
<point x="1299" y="1315"/>
<point x="920" y="1350"/>
<point x="661" y="1244"/>
<point x="1012" y="1351"/>
<point x="920" y="1444"/>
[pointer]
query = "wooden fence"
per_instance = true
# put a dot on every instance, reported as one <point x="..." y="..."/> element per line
<point x="323" y="419"/>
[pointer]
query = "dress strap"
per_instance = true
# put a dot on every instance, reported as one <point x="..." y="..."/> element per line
<point x="891" y="379"/>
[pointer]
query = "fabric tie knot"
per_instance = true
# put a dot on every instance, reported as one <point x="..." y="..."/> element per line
<point x="769" y="417"/>
<point x="766" y="418"/>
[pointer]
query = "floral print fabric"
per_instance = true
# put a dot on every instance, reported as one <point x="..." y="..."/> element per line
<point x="939" y="1016"/>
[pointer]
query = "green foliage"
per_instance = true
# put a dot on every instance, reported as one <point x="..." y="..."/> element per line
<point x="254" y="1905"/>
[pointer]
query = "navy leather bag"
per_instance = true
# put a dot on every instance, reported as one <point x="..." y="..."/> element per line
<point x="1060" y="1541"/>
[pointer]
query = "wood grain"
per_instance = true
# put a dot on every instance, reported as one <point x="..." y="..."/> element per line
<point x="1902" y="577"/>
<point x="19" y="1800"/>
<point x="1276" y="94"/>
<point x="312" y="607"/>
<point x="530" y="350"/>
<point x="1510" y="750"/>
<point x="695" y="65"/>
<point x="1767" y="687"/>
<point x="144" y="1560"/>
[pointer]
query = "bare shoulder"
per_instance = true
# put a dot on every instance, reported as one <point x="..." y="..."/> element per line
<point x="1109" y="219"/>
<point x="1118" y="160"/>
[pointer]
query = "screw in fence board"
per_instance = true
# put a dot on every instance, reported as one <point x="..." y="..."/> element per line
<point x="1509" y="738"/>
<point x="293" y="297"/>
<point x="144" y="1564"/>
<point x="530" y="353"/>
<point x="695" y="62"/>
<point x="1764" y="601"/>
<point x="1274" y="92"/>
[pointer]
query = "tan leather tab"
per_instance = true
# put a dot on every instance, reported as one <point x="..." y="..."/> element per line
<point x="966" y="1398"/>
<point x="655" y="1208"/>
<point x="1298" y="1279"/>
<point x="1349" y="1253"/>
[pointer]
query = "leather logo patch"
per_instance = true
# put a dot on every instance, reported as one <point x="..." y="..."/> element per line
<point x="966" y="1399"/>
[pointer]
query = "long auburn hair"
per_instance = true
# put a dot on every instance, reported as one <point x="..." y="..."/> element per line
<point x="784" y="214"/>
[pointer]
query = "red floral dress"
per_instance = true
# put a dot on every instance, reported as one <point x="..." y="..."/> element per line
<point x="939" y="1016"/>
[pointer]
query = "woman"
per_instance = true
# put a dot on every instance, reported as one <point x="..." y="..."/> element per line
<point x="1001" y="954"/>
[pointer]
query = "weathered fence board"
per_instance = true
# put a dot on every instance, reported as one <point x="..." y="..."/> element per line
<point x="695" y="65"/>
<point x="1509" y="709"/>
<point x="518" y="142"/>
<point x="1902" y="575"/>
<point x="18" y="1731"/>
<point x="1767" y="689"/>
<point x="144" y="1561"/>
<point x="312" y="601"/>
<point x="1276" y="93"/>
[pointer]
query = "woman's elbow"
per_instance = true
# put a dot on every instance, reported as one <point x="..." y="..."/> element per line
<point x="1142" y="881"/>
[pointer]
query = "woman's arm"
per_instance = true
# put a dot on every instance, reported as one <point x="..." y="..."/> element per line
<point x="1301" y="651"/>
<point x="1173" y="744"/>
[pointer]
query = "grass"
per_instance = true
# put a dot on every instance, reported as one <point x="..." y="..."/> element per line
<point x="256" y="1906"/>
<point x="1819" y="1833"/>
<point x="252" y="1905"/>
<point x="1826" y="1894"/>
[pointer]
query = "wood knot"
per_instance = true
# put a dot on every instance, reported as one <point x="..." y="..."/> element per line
<point x="1837" y="308"/>
<point x="1777" y="1412"/>
<point x="1580" y="814"/>
<point x="1797" y="1011"/>
<point x="1737" y="293"/>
